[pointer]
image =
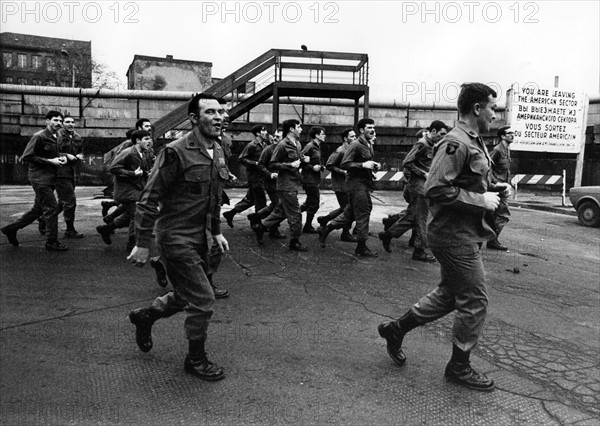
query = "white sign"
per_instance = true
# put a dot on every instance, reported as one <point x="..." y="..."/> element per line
<point x="546" y="120"/>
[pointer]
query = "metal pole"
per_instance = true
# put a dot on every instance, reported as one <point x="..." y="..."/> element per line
<point x="564" y="188"/>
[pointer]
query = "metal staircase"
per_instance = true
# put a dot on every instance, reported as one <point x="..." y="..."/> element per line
<point x="278" y="73"/>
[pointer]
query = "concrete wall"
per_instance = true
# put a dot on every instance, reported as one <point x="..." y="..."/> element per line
<point x="103" y="117"/>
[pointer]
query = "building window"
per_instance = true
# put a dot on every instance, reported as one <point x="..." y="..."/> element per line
<point x="7" y="60"/>
<point x="22" y="81"/>
<point x="22" y="60"/>
<point x="64" y="65"/>
<point x="36" y="62"/>
<point x="51" y="83"/>
<point x="9" y="80"/>
<point x="50" y="64"/>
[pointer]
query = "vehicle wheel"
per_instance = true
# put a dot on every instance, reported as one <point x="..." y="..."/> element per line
<point x="589" y="214"/>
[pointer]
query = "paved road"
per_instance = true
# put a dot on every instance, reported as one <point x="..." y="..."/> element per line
<point x="298" y="335"/>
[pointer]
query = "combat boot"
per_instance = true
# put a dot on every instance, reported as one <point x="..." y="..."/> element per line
<point x="220" y="293"/>
<point x="389" y="221"/>
<point x="308" y="228"/>
<point x="324" y="231"/>
<point x="422" y="256"/>
<point x="229" y="217"/>
<point x="71" y="233"/>
<point x="496" y="245"/>
<point x="363" y="251"/>
<point x="143" y="319"/>
<point x="11" y="234"/>
<point x="197" y="364"/>
<point x="259" y="230"/>
<point x="254" y="218"/>
<point x="105" y="231"/>
<point x="386" y="239"/>
<point x="347" y="237"/>
<point x="322" y="220"/>
<point x="42" y="226"/>
<point x="394" y="336"/>
<point x="296" y="245"/>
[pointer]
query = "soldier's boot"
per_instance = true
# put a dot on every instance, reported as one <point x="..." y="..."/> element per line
<point x="197" y="364"/>
<point x="422" y="256"/>
<point x="324" y="231"/>
<point x="259" y="229"/>
<point x="386" y="239"/>
<point x="308" y="228"/>
<point x="496" y="245"/>
<point x="71" y="232"/>
<point x="322" y="220"/>
<point x="393" y="332"/>
<point x="296" y="245"/>
<point x="105" y="231"/>
<point x="143" y="319"/>
<point x="459" y="371"/>
<point x="220" y="293"/>
<point x="11" y="233"/>
<point x="347" y="237"/>
<point x="229" y="217"/>
<point x="106" y="206"/>
<point x="363" y="251"/>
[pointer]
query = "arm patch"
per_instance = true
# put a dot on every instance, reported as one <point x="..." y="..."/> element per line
<point x="451" y="148"/>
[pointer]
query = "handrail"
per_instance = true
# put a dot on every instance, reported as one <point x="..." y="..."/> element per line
<point x="272" y="60"/>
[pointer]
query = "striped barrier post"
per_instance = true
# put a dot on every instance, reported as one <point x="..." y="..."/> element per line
<point x="391" y="176"/>
<point x="541" y="180"/>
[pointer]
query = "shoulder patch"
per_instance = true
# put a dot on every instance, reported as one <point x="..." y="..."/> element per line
<point x="451" y="148"/>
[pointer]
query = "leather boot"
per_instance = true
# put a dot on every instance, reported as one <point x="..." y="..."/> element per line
<point x="496" y="245"/>
<point x="323" y="233"/>
<point x="71" y="232"/>
<point x="322" y="220"/>
<point x="422" y="256"/>
<point x="394" y="331"/>
<point x="259" y="230"/>
<point x="229" y="217"/>
<point x="197" y="363"/>
<point x="143" y="319"/>
<point x="347" y="237"/>
<point x="363" y="251"/>
<point x="389" y="221"/>
<point x="11" y="234"/>
<point x="308" y="228"/>
<point x="220" y="293"/>
<point x="296" y="245"/>
<point x="386" y="239"/>
<point x="459" y="371"/>
<point x="105" y="231"/>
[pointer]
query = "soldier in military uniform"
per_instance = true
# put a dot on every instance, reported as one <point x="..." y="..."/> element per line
<point x="417" y="163"/>
<point x="358" y="161"/>
<point x="286" y="161"/>
<point x="71" y="146"/>
<point x="500" y="156"/>
<point x="311" y="177"/>
<point x="255" y="196"/>
<point x="186" y="183"/>
<point x="44" y="158"/>
<point x="460" y="194"/>
<point x="338" y="183"/>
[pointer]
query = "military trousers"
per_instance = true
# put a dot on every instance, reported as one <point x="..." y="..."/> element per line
<point x="288" y="208"/>
<point x="65" y="189"/>
<point x="358" y="209"/>
<point x="462" y="288"/>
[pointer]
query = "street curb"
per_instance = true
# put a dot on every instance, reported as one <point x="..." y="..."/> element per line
<point x="541" y="207"/>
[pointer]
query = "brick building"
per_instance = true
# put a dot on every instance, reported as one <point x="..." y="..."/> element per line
<point x="45" y="61"/>
<point x="153" y="73"/>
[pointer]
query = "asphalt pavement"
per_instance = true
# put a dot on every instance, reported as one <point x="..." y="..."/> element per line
<point x="297" y="338"/>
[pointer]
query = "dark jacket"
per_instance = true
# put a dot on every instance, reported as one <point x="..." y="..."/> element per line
<point x="338" y="175"/>
<point x="358" y="178"/>
<point x="418" y="163"/>
<point x="500" y="156"/>
<point x="263" y="164"/>
<point x="41" y="147"/>
<point x="69" y="143"/>
<point x="309" y="176"/>
<point x="128" y="186"/>
<point x="286" y="152"/>
<point x="249" y="158"/>
<point x="455" y="186"/>
<point x="187" y="184"/>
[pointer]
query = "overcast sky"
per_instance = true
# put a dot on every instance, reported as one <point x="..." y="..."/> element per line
<point x="418" y="51"/>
